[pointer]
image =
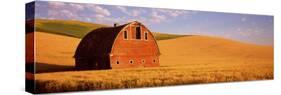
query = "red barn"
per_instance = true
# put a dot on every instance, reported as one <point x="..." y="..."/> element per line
<point x="125" y="46"/>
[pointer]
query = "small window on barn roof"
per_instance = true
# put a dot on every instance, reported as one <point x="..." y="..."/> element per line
<point x="125" y="35"/>
<point x="138" y="32"/>
<point x="154" y="61"/>
<point x="143" y="61"/>
<point x="131" y="62"/>
<point x="145" y="35"/>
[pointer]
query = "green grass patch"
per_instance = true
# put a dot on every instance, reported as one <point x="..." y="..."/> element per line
<point x="75" y="29"/>
<point x="79" y="29"/>
<point x="162" y="36"/>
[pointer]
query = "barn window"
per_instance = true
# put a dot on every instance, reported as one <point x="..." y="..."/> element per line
<point x="138" y="32"/>
<point x="131" y="61"/>
<point x="154" y="61"/>
<point x="145" y="35"/>
<point x="142" y="61"/>
<point x="125" y="35"/>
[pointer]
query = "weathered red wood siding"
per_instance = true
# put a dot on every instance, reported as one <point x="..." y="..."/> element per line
<point x="143" y="53"/>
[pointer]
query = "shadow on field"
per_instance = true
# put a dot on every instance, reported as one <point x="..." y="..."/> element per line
<point x="44" y="68"/>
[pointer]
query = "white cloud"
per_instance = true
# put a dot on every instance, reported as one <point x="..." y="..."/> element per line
<point x="52" y="13"/>
<point x="68" y="14"/>
<point x="83" y="12"/>
<point x="140" y="19"/>
<point x="56" y="4"/>
<point x="99" y="16"/>
<point x="177" y="13"/>
<point x="77" y="6"/>
<point x="243" y="19"/>
<point x="88" y="19"/>
<point x="132" y="12"/>
<point x="60" y="10"/>
<point x="62" y="14"/>
<point x="135" y="13"/>
<point x="249" y="32"/>
<point x="110" y="20"/>
<point x="122" y="9"/>
<point x="172" y="13"/>
<point x="102" y="11"/>
<point x="117" y="19"/>
<point x="98" y="9"/>
<point x="156" y="17"/>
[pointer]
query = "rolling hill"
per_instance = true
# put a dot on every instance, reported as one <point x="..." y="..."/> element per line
<point x="174" y="52"/>
<point x="183" y="60"/>
<point x="75" y="29"/>
<point x="79" y="29"/>
<point x="212" y="50"/>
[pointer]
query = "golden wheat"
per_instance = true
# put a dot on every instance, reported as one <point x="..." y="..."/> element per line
<point x="185" y="60"/>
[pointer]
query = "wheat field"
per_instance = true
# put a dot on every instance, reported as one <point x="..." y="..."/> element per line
<point x="183" y="60"/>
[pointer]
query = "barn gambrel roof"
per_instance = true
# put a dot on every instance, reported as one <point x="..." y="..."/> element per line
<point x="99" y="42"/>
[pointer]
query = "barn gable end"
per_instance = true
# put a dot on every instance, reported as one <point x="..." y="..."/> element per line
<point x="103" y="47"/>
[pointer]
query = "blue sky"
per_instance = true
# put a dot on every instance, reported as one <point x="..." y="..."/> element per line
<point x="256" y="29"/>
